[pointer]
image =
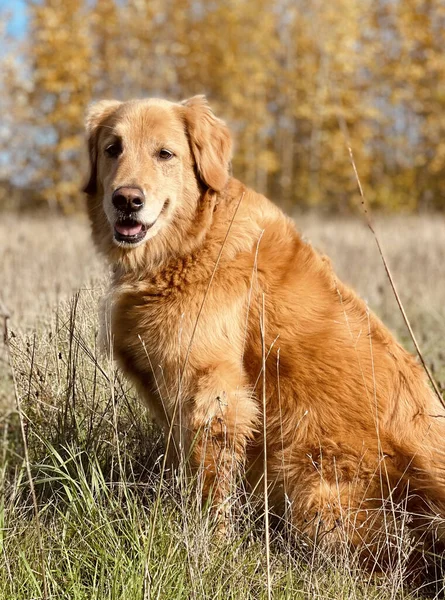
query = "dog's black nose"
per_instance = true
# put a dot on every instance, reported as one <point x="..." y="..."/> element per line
<point x="128" y="199"/>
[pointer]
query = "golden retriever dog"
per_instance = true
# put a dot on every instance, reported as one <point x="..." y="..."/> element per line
<point x="236" y="331"/>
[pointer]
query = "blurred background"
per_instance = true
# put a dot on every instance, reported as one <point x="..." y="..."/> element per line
<point x="281" y="72"/>
<point x="289" y="76"/>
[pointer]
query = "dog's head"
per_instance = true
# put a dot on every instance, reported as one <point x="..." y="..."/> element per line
<point x="150" y="163"/>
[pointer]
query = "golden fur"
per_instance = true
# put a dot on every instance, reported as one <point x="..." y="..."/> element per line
<point x="222" y="282"/>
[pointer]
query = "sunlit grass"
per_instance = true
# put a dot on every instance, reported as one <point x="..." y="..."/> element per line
<point x="95" y="455"/>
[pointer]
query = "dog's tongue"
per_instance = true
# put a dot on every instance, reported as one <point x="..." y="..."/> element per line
<point x="128" y="229"/>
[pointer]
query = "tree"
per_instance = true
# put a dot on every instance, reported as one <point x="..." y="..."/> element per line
<point x="60" y="55"/>
<point x="288" y="75"/>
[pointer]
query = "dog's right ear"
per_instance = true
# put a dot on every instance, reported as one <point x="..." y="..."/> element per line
<point x="97" y="113"/>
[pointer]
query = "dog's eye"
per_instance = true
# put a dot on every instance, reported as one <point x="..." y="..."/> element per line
<point x="165" y="154"/>
<point x="113" y="150"/>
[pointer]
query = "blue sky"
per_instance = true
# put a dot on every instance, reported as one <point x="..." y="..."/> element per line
<point x="17" y="16"/>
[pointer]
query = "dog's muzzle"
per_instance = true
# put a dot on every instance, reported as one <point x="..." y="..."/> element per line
<point x="128" y="201"/>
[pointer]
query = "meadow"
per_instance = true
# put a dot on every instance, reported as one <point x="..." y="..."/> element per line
<point x="80" y="456"/>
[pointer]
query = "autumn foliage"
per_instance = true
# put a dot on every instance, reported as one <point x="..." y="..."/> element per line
<point x="287" y="75"/>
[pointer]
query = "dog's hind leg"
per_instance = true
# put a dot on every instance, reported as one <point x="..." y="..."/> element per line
<point x="339" y="498"/>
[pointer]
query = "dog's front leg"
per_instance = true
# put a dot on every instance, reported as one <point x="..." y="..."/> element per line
<point x="222" y="419"/>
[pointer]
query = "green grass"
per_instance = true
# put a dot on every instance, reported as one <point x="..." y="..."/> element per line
<point x="95" y="456"/>
<point x="95" y="459"/>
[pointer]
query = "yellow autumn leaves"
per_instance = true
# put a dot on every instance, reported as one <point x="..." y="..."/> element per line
<point x="283" y="73"/>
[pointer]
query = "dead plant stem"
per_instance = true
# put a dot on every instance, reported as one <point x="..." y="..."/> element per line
<point x="366" y="211"/>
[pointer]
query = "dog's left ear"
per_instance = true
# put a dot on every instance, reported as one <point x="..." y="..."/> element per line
<point x="210" y="142"/>
<point x="97" y="114"/>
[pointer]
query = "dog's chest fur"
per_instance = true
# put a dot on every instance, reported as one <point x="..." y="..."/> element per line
<point x="164" y="325"/>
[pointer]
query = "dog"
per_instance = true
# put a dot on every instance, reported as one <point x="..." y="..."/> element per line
<point x="243" y="342"/>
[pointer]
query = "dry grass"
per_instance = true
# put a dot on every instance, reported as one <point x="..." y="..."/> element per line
<point x="95" y="456"/>
<point x="44" y="260"/>
<point x="47" y="259"/>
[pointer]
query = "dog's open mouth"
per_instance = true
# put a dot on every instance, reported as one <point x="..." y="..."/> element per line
<point x="130" y="231"/>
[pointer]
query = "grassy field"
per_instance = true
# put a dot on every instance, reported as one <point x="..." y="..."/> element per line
<point x="94" y="455"/>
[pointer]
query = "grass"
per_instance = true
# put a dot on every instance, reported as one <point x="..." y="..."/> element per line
<point x="95" y="455"/>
